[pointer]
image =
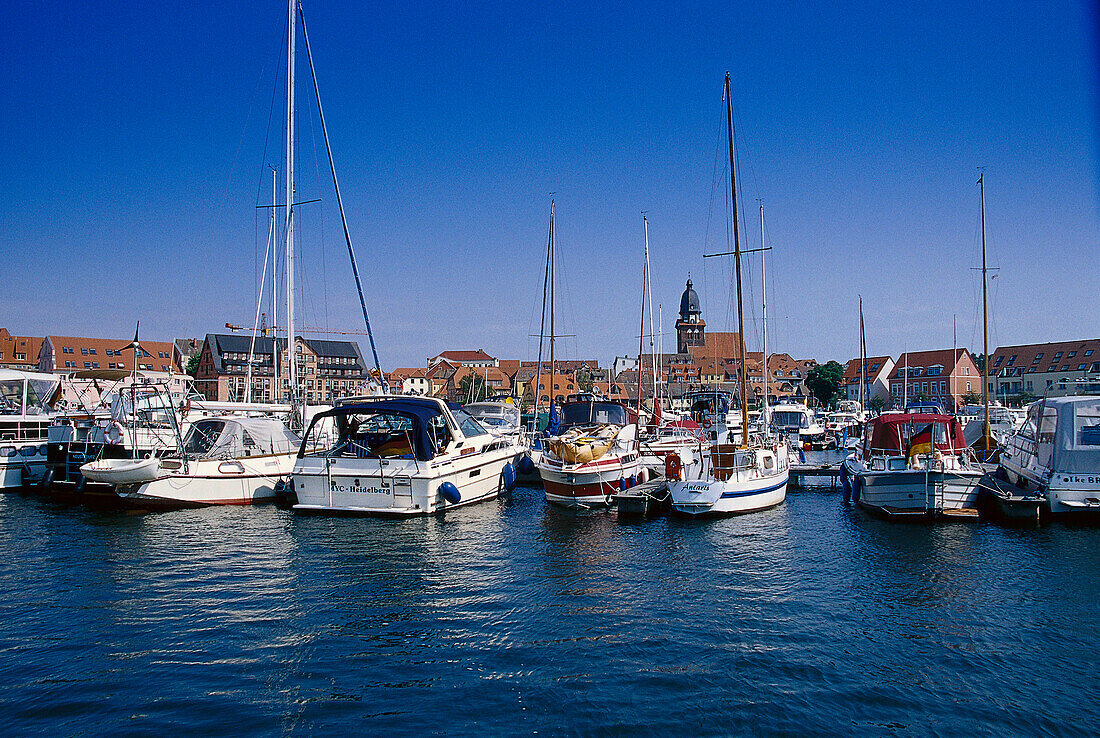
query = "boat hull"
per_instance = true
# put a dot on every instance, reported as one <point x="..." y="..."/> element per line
<point x="583" y="486"/>
<point x="700" y="498"/>
<point x="916" y="493"/>
<point x="398" y="491"/>
<point x="207" y="482"/>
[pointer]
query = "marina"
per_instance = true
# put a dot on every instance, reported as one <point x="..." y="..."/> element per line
<point x="847" y="483"/>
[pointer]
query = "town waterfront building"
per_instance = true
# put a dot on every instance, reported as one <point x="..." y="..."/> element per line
<point x="878" y="379"/>
<point x="328" y="370"/>
<point x="944" y="376"/>
<point x="1045" y="370"/>
<point x="19" y="352"/>
<point x="62" y="354"/>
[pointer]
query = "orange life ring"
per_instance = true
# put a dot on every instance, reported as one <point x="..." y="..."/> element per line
<point x="673" y="466"/>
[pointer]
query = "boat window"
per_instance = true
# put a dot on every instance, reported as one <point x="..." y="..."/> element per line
<point x="1048" y="422"/>
<point x="593" y="413"/>
<point x="467" y="424"/>
<point x="1031" y="424"/>
<point x="1086" y="423"/>
<point x="11" y="397"/>
<point x="367" y="435"/>
<point x="202" y="436"/>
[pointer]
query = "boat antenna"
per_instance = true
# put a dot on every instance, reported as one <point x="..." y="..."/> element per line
<point x="340" y="204"/>
<point x="737" y="256"/>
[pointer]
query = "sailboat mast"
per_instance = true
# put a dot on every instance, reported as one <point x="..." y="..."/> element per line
<point x="274" y="293"/>
<point x="985" y="323"/>
<point x="649" y="291"/>
<point x="553" y="257"/>
<point x="293" y="373"/>
<point x="737" y="256"/>
<point x="764" y="316"/>
<point x="862" y="360"/>
<point x="641" y="327"/>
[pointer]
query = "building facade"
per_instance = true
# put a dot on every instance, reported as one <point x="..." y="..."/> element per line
<point x="1045" y="370"/>
<point x="327" y="370"/>
<point x="63" y="354"/>
<point x="943" y="376"/>
<point x="19" y="352"/>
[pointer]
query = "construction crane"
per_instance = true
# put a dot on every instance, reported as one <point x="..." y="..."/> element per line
<point x="265" y="329"/>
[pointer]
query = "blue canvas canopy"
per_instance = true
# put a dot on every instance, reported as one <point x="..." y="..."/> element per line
<point x="420" y="412"/>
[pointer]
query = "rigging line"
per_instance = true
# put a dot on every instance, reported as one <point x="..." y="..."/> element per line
<point x="321" y="222"/>
<point x="340" y="202"/>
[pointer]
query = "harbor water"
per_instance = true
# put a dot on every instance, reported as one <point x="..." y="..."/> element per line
<point x="515" y="618"/>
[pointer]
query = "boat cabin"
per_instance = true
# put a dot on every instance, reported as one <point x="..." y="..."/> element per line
<point x="596" y="412"/>
<point x="236" y="437"/>
<point x="898" y="436"/>
<point x="715" y="403"/>
<point x="1063" y="434"/>
<point x="390" y="427"/>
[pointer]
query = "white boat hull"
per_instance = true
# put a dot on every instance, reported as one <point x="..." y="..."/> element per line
<point x="730" y="497"/>
<point x="399" y="488"/>
<point x="915" y="492"/>
<point x="244" y="481"/>
<point x="21" y="463"/>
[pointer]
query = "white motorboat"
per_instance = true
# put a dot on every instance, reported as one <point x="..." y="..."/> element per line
<point x="400" y="456"/>
<point x="913" y="465"/>
<point x="1057" y="452"/>
<point x="800" y="426"/>
<point x="222" y="460"/>
<point x="1003" y="422"/>
<point x="25" y="418"/>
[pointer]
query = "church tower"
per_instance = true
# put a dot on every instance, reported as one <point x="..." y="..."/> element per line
<point x="690" y="327"/>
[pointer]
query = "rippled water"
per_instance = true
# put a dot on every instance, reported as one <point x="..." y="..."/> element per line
<point x="511" y="617"/>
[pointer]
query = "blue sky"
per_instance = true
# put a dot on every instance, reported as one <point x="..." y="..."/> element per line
<point x="136" y="138"/>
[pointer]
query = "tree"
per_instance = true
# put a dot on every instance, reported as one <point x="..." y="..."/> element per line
<point x="193" y="363"/>
<point x="584" y="380"/>
<point x="971" y="398"/>
<point x="823" y="381"/>
<point x="875" y="404"/>
<point x="472" y="388"/>
<point x="979" y="359"/>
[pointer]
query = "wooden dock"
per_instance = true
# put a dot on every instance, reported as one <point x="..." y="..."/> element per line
<point x="816" y="474"/>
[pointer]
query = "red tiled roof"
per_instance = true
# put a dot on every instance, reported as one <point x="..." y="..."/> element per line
<point x="478" y="355"/>
<point x="853" y="368"/>
<point x="1042" y="356"/>
<point x="924" y="359"/>
<point x="27" y="346"/>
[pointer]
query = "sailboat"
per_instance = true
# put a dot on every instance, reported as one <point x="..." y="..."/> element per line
<point x="591" y="451"/>
<point x="229" y="458"/>
<point x="751" y="474"/>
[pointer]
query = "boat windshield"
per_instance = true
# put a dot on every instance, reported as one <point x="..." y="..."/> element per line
<point x="790" y="419"/>
<point x="202" y="436"/>
<point x="469" y="426"/>
<point x="379" y="433"/>
<point x="593" y="413"/>
<point x="38" y="394"/>
<point x="492" y="415"/>
<point x="708" y="404"/>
